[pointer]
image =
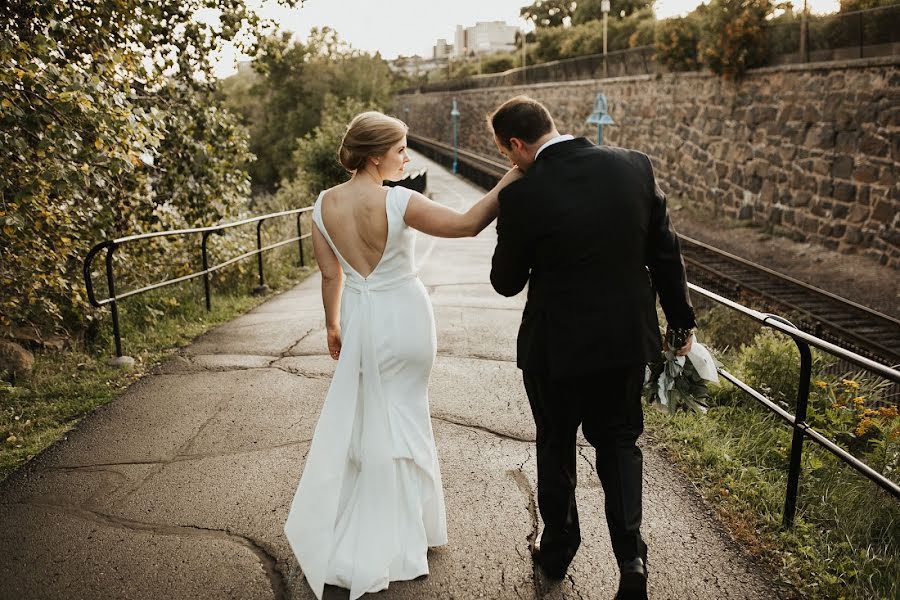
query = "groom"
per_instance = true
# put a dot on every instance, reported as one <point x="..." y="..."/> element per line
<point x="587" y="229"/>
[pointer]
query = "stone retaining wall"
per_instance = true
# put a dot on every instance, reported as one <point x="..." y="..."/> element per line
<point x="813" y="149"/>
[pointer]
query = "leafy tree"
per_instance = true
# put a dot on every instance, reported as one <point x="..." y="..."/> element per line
<point x="634" y="30"/>
<point x="549" y="43"/>
<point x="733" y="37"/>
<point x="316" y="154"/>
<point x="497" y="63"/>
<point x="589" y="10"/>
<point x="644" y="25"/>
<point x="109" y="124"/>
<point x="288" y="98"/>
<point x="676" y="43"/>
<point x="548" y="13"/>
<point x="854" y="5"/>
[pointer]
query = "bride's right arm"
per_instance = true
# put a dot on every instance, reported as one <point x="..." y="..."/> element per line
<point x="436" y="219"/>
<point x="332" y="281"/>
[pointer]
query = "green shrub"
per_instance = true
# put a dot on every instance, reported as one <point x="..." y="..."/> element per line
<point x="498" y="63"/>
<point x="850" y="410"/>
<point x="733" y="37"/>
<point x="676" y="43"/>
<point x="549" y="44"/>
<point x="642" y="25"/>
<point x="726" y="329"/>
<point x="316" y="155"/>
<point x="582" y="40"/>
<point x="98" y="142"/>
<point x="771" y="364"/>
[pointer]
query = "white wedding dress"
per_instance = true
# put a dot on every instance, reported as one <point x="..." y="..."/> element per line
<point x="370" y="500"/>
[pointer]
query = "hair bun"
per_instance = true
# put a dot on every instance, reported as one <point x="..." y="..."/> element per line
<point x="349" y="158"/>
<point x="369" y="134"/>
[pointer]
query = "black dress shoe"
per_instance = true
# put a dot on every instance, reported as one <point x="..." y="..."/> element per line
<point x="552" y="569"/>
<point x="632" y="580"/>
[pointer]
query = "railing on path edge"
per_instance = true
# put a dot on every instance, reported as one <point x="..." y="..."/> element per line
<point x="111" y="245"/>
<point x="798" y="422"/>
<point x="487" y="174"/>
<point x="415" y="180"/>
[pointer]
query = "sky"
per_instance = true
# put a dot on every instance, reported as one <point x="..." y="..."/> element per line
<point x="407" y="27"/>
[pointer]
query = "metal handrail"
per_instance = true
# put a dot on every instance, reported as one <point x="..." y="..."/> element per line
<point x="480" y="160"/>
<point x="205" y="232"/>
<point x="801" y="429"/>
<point x="786" y="327"/>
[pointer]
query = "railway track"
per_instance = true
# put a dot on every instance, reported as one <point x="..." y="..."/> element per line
<point x="840" y="321"/>
<point x="823" y="314"/>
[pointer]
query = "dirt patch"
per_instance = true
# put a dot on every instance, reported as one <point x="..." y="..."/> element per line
<point x="855" y="277"/>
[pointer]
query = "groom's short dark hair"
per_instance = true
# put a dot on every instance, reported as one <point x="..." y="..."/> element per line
<point x="521" y="117"/>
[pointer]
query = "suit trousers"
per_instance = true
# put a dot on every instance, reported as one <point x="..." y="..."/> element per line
<point x="607" y="405"/>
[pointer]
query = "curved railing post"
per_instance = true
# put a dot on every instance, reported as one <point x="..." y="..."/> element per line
<point x="120" y="359"/>
<point x="261" y="288"/>
<point x="793" y="484"/>
<point x="111" y="286"/>
<point x="795" y="463"/>
<point x="86" y="271"/>
<point x="205" y="257"/>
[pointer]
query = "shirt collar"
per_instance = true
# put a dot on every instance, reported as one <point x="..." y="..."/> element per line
<point x="560" y="138"/>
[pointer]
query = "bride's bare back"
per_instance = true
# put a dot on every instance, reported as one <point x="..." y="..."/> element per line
<point x="356" y="221"/>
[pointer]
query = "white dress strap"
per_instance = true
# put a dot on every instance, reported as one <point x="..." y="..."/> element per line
<point x="399" y="200"/>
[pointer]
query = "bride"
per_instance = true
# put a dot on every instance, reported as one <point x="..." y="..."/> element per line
<point x="370" y="503"/>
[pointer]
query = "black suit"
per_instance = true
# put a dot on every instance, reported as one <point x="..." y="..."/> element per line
<point x="587" y="229"/>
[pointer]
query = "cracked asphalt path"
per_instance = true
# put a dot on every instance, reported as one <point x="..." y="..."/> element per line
<point x="180" y="488"/>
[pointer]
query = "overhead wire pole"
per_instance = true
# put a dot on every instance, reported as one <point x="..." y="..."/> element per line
<point x="604" y="7"/>
<point x="524" y="56"/>
<point x="804" y="33"/>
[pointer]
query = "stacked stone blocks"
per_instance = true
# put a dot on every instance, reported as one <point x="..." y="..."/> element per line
<point x="813" y="150"/>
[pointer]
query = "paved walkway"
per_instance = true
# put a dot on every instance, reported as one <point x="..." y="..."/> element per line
<point x="179" y="489"/>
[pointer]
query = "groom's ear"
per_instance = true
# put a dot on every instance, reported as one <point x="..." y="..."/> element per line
<point x="516" y="144"/>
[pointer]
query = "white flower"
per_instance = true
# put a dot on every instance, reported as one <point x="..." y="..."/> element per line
<point x="682" y="381"/>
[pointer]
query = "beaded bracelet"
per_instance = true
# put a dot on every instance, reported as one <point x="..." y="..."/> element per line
<point x="678" y="337"/>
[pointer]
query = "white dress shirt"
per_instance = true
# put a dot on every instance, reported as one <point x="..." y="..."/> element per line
<point x="560" y="138"/>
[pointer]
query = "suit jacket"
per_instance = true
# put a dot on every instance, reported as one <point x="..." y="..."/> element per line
<point x="587" y="229"/>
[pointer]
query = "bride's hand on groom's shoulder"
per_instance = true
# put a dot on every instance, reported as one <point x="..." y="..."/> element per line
<point x="510" y="176"/>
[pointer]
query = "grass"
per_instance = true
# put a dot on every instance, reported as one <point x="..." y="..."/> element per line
<point x="845" y="542"/>
<point x="66" y="386"/>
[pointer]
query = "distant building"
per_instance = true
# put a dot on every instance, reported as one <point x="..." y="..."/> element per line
<point x="485" y="37"/>
<point x="442" y="49"/>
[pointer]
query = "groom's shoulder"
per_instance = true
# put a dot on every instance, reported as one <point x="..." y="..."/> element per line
<point x="620" y="153"/>
<point x="633" y="160"/>
<point x="517" y="190"/>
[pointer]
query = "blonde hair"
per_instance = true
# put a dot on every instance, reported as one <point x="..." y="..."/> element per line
<point x="369" y="134"/>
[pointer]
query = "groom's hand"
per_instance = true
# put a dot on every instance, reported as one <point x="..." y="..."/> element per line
<point x="683" y="351"/>
<point x="682" y="339"/>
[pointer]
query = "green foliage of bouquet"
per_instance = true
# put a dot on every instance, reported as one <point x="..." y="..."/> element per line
<point x="681" y="382"/>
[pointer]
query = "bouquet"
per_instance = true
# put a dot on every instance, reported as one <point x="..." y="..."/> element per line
<point x="680" y="382"/>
